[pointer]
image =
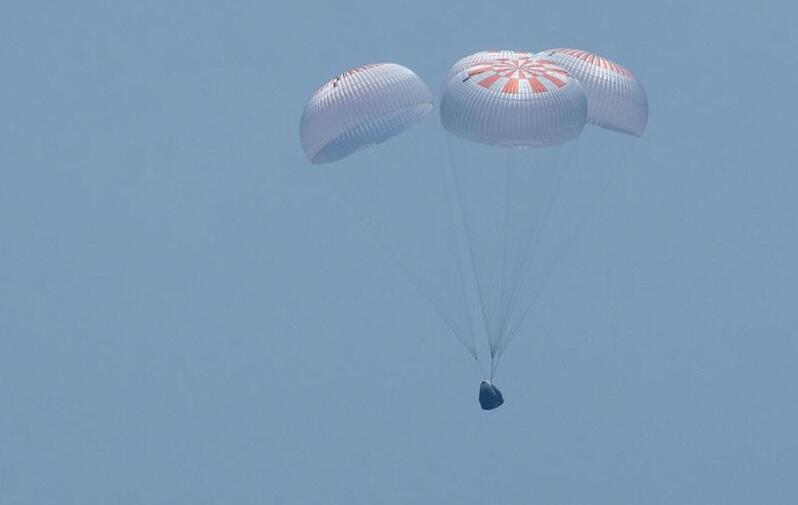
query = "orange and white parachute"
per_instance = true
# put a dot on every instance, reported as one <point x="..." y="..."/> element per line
<point x="615" y="98"/>
<point x="482" y="56"/>
<point x="512" y="99"/>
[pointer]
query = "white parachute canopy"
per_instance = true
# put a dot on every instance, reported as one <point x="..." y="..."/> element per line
<point x="513" y="99"/>
<point x="362" y="107"/>
<point x="615" y="98"/>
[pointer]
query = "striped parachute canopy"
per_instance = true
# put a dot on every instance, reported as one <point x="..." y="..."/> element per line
<point x="482" y="56"/>
<point x="512" y="99"/>
<point x="362" y="107"/>
<point x="615" y="98"/>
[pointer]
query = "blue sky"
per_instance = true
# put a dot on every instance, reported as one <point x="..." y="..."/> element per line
<point x="188" y="316"/>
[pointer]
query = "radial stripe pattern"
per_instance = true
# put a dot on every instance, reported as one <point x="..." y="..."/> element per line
<point x="616" y="99"/>
<point x="516" y="100"/>
<point x="482" y="56"/>
<point x="519" y="75"/>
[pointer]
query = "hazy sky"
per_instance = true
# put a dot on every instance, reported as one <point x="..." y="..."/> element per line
<point x="188" y="316"/>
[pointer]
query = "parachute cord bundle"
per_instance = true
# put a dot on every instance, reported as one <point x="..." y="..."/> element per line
<point x="373" y="230"/>
<point x="509" y="279"/>
<point x="481" y="298"/>
<point x="529" y="256"/>
<point x="518" y="278"/>
<point x="606" y="182"/>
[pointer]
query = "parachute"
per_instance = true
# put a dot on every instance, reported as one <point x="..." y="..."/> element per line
<point x="361" y="107"/>
<point x="522" y="101"/>
<point x="512" y="119"/>
<point x="521" y="210"/>
<point x="616" y="99"/>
